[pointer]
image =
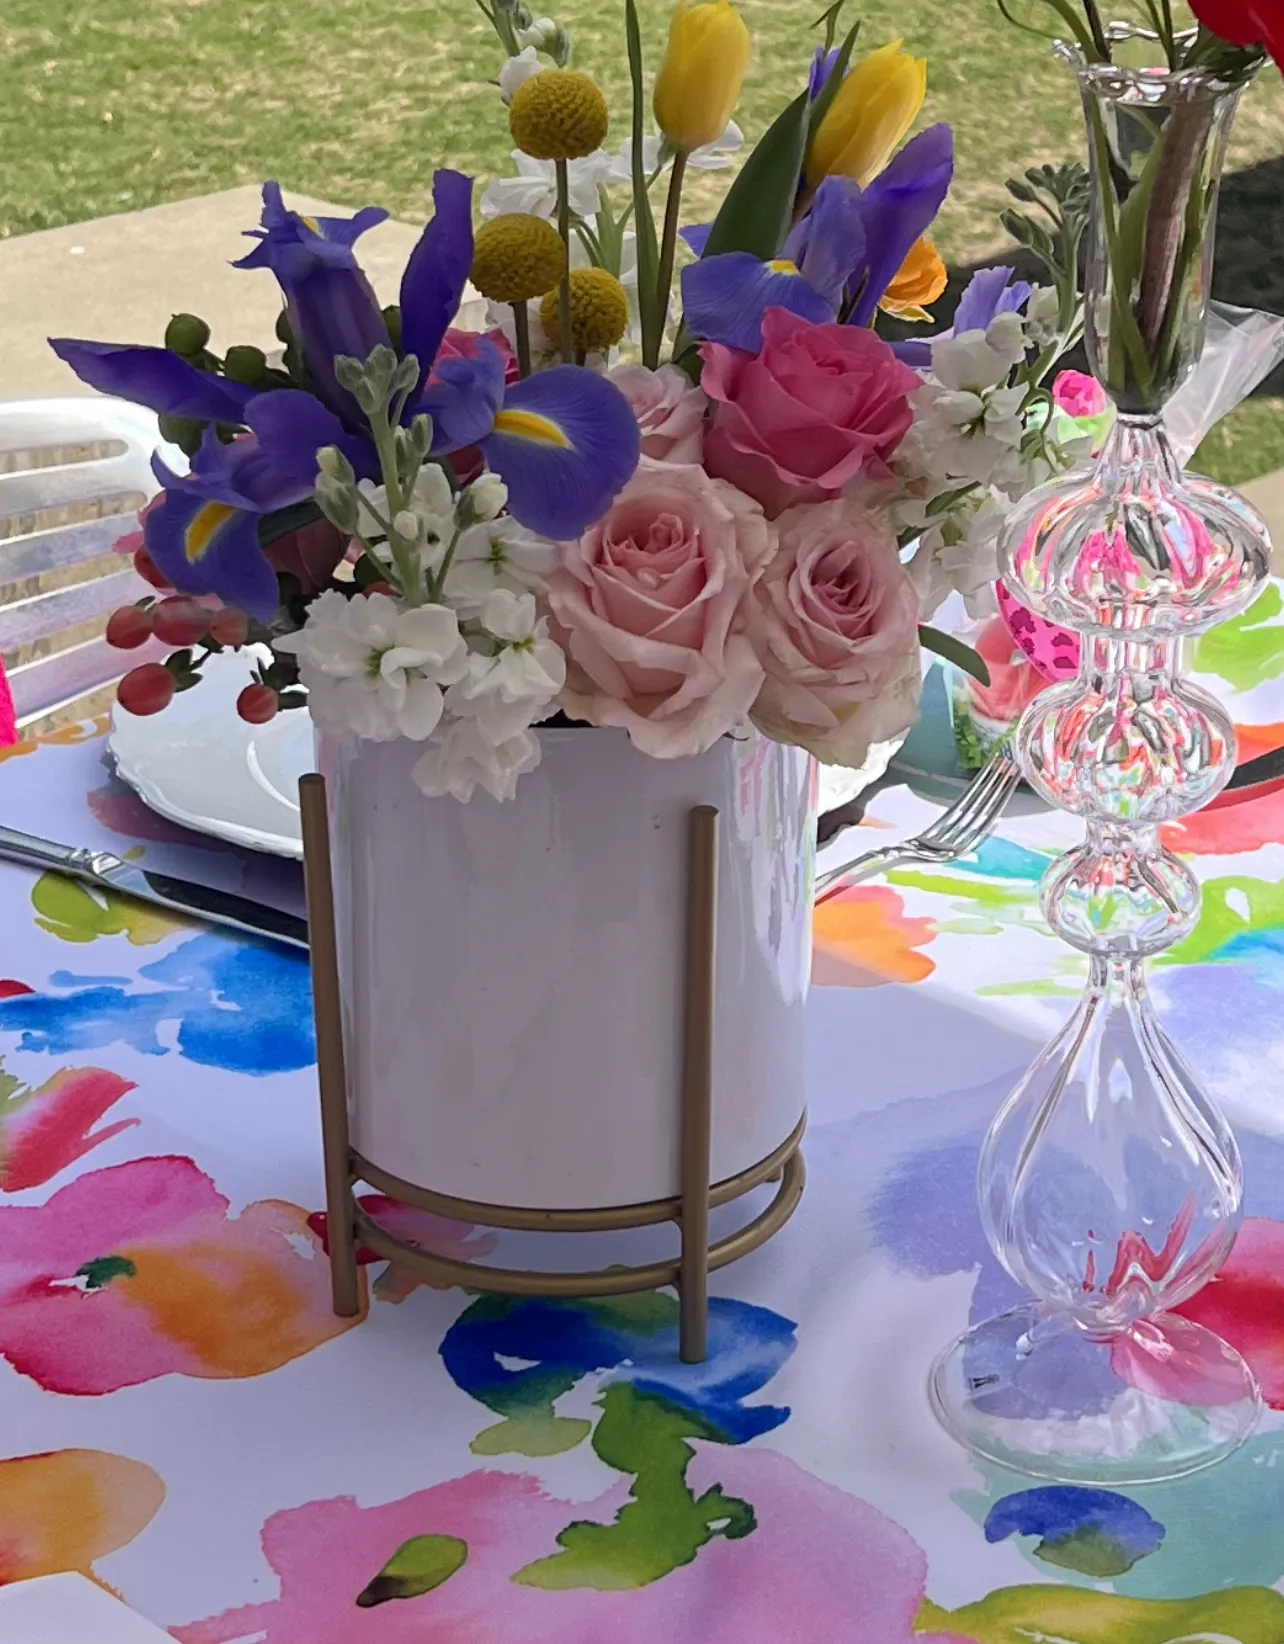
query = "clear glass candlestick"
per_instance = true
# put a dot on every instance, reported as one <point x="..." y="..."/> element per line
<point x="1109" y="1184"/>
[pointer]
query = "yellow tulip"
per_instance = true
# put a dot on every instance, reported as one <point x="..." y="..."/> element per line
<point x="920" y="280"/>
<point x="700" y="78"/>
<point x="872" y="110"/>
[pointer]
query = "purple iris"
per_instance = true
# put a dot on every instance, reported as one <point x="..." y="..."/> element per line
<point x="563" y="442"/>
<point x="822" y="66"/>
<point x="843" y="254"/>
<point x="990" y="291"/>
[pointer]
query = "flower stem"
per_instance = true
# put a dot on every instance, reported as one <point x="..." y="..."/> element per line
<point x="439" y="581"/>
<point x="668" y="246"/>
<point x="522" y="330"/>
<point x="564" y="229"/>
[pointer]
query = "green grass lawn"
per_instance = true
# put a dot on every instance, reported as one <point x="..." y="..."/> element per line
<point x="110" y="105"/>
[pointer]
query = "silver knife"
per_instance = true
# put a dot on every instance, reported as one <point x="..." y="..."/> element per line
<point x="179" y="895"/>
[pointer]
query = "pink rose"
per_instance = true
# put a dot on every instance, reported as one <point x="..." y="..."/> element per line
<point x="651" y="606"/>
<point x="835" y="623"/>
<point x="820" y="406"/>
<point x="1079" y="395"/>
<point x="670" y="411"/>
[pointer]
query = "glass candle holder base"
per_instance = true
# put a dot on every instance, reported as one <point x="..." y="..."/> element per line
<point x="1033" y="1391"/>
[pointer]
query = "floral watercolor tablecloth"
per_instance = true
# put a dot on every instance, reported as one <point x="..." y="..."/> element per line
<point x="184" y="1419"/>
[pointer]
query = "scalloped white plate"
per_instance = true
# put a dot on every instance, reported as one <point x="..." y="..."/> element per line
<point x="200" y="765"/>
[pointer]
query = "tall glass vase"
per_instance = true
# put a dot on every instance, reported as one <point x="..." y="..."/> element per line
<point x="1109" y="1183"/>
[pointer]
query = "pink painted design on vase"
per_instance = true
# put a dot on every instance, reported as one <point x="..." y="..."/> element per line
<point x="1053" y="651"/>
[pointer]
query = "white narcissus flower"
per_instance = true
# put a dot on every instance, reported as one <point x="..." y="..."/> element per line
<point x="509" y="690"/>
<point x="502" y="554"/>
<point x="460" y="759"/>
<point x="376" y="669"/>
<point x="534" y="189"/>
<point x="517" y="71"/>
<point x="714" y="156"/>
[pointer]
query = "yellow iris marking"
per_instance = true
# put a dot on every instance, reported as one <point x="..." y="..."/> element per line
<point x="782" y="265"/>
<point x="310" y="222"/>
<point x="529" y="425"/>
<point x="197" y="537"/>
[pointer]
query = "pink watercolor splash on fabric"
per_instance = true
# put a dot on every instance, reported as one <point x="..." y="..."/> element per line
<point x="819" y="1563"/>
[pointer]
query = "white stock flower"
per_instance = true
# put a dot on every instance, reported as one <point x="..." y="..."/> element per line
<point x="517" y="71"/>
<point x="431" y="502"/>
<point x="1005" y="335"/>
<point x="509" y="690"/>
<point x="459" y="760"/>
<point x="374" y="668"/>
<point x="483" y="500"/>
<point x="961" y="433"/>
<point x="958" y="553"/>
<point x="534" y="189"/>
<point x="502" y="554"/>
<point x="968" y="363"/>
<point x="1043" y="315"/>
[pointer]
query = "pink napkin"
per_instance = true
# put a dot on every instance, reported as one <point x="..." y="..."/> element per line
<point x="1053" y="651"/>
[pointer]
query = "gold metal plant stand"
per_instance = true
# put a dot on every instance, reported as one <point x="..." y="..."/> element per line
<point x="350" y="1227"/>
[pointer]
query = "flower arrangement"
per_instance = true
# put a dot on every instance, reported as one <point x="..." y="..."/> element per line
<point x="745" y="518"/>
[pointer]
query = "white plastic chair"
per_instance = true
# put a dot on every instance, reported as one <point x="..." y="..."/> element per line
<point x="73" y="474"/>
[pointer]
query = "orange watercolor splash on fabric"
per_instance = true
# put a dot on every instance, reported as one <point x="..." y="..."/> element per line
<point x="62" y="1510"/>
<point x="66" y="736"/>
<point x="864" y="938"/>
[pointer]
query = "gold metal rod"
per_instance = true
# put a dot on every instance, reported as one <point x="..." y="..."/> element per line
<point x="327" y="1006"/>
<point x="697" y="1083"/>
<point x="598" y="1219"/>
<point x="607" y="1281"/>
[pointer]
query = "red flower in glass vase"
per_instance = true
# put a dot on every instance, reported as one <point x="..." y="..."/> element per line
<point x="1244" y="22"/>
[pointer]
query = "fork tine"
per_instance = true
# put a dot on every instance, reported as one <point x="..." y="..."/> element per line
<point x="974" y="803"/>
<point x="978" y="825"/>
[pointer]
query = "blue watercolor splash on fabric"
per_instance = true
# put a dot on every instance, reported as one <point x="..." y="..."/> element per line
<point x="518" y="1355"/>
<point x="242" y="1006"/>
<point x="1001" y="859"/>
<point x="1095" y="1532"/>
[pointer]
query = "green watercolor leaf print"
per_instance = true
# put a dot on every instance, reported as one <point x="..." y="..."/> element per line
<point x="418" y="1566"/>
<point x="73" y="913"/>
<point x="1073" y="1615"/>
<point x="1249" y="649"/>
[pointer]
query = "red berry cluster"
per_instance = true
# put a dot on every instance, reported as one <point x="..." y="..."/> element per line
<point x="180" y="621"/>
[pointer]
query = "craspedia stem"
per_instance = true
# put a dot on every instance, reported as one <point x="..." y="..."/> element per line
<point x="522" y="330"/>
<point x="564" y="229"/>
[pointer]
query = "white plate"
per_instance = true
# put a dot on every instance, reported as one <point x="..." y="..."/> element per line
<point x="70" y="1609"/>
<point x="198" y="763"/>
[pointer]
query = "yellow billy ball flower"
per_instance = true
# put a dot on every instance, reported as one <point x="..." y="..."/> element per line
<point x="517" y="257"/>
<point x="558" y="114"/>
<point x="700" y="78"/>
<point x="920" y="280"/>
<point x="599" y="312"/>
<point x="872" y="110"/>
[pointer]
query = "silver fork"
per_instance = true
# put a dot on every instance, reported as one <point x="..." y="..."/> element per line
<point x="969" y="820"/>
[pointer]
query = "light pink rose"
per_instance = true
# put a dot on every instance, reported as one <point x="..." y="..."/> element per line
<point x="670" y="411"/>
<point x="1079" y="395"/>
<point x="820" y="406"/>
<point x="834" y="622"/>
<point x="651" y="603"/>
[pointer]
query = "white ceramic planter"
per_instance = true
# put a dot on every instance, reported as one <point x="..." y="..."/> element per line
<point x="513" y="973"/>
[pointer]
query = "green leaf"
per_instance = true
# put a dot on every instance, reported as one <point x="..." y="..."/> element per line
<point x="759" y="206"/>
<point x="418" y="1566"/>
<point x="955" y="651"/>
<point x="820" y="108"/>
<point x="648" y="251"/>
